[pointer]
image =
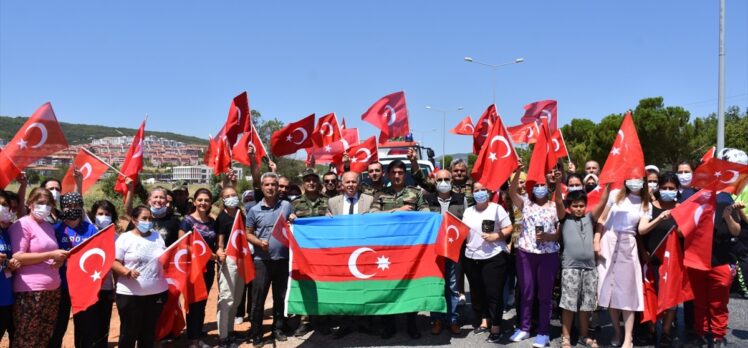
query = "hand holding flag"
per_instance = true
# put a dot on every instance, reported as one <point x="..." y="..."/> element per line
<point x="452" y="234"/>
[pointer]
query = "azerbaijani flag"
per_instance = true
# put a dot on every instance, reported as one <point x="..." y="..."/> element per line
<point x="370" y="264"/>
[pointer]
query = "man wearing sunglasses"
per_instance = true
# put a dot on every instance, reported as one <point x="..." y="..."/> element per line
<point x="330" y="181"/>
<point x="461" y="182"/>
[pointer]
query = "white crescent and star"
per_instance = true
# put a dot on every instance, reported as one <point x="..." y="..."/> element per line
<point x="556" y="145"/>
<point x="623" y="136"/>
<point x="546" y="114"/>
<point x="457" y="233"/>
<point x="138" y="150"/>
<point x="734" y="178"/>
<point x="392" y="114"/>
<point x="697" y="214"/>
<point x="42" y="129"/>
<point x="326" y="129"/>
<point x="202" y="246"/>
<point x="383" y="263"/>
<point x="178" y="256"/>
<point x="82" y="263"/>
<point x="304" y="135"/>
<point x="504" y="141"/>
<point x="465" y="127"/>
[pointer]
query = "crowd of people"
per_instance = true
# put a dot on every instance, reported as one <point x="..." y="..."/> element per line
<point x="524" y="244"/>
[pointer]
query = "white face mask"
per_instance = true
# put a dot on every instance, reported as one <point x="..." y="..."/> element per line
<point x="41" y="211"/>
<point x="634" y="185"/>
<point x="103" y="221"/>
<point x="5" y="215"/>
<point x="444" y="186"/>
<point x="685" y="178"/>
<point x="56" y="195"/>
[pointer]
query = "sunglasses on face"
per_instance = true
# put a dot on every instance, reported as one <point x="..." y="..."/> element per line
<point x="330" y="181"/>
<point x="443" y="180"/>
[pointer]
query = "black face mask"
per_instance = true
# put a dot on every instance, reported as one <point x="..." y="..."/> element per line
<point x="71" y="214"/>
<point x="589" y="187"/>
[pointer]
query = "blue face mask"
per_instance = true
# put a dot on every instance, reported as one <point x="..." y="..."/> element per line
<point x="158" y="211"/>
<point x="480" y="196"/>
<point x="540" y="191"/>
<point x="145" y="226"/>
<point x="668" y="196"/>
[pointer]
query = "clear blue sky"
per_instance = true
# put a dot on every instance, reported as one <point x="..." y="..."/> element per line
<point x="181" y="62"/>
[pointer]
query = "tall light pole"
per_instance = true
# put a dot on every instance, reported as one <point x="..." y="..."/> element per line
<point x="721" y="83"/>
<point x="494" y="67"/>
<point x="444" y="130"/>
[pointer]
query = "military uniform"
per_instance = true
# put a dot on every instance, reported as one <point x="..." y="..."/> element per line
<point x="389" y="198"/>
<point x="369" y="189"/>
<point x="304" y="207"/>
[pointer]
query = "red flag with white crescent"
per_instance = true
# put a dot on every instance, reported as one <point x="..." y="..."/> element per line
<point x="88" y="265"/>
<point x="201" y="255"/>
<point x="543" y="158"/>
<point x="650" y="294"/>
<point x="695" y="219"/>
<point x="452" y="233"/>
<point x="293" y="137"/>
<point x="465" y="127"/>
<point x="281" y="230"/>
<point x="626" y="158"/>
<point x="390" y="115"/>
<point x="177" y="262"/>
<point x="133" y="163"/>
<point x="542" y="110"/>
<point x="558" y="143"/>
<point x="526" y="133"/>
<point x="333" y="152"/>
<point x="240" y="152"/>
<point x="720" y="175"/>
<point x="171" y="321"/>
<point x="40" y="136"/>
<point x="497" y="158"/>
<point x="674" y="286"/>
<point x="363" y="154"/>
<point x="708" y="154"/>
<point x="239" y="250"/>
<point x="238" y="119"/>
<point x="327" y="131"/>
<point x="483" y="127"/>
<point x="90" y="166"/>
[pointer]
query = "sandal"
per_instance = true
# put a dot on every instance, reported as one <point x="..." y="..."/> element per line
<point x="565" y="342"/>
<point x="587" y="342"/>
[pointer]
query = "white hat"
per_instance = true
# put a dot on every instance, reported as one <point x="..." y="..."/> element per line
<point x="653" y="168"/>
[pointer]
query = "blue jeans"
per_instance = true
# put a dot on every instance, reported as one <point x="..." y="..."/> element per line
<point x="451" y="294"/>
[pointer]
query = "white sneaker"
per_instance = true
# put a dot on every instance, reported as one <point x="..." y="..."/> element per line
<point x="238" y="320"/>
<point x="519" y="335"/>
<point x="462" y="300"/>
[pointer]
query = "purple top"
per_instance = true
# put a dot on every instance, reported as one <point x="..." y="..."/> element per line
<point x="29" y="236"/>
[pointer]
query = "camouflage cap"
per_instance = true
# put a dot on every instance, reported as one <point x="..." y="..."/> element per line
<point x="309" y="172"/>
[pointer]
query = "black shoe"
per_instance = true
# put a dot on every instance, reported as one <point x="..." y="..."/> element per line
<point x="387" y="333"/>
<point x="494" y="338"/>
<point x="279" y="335"/>
<point x="480" y="330"/>
<point x="257" y="341"/>
<point x="302" y="330"/>
<point x="340" y="332"/>
<point x="324" y="329"/>
<point x="665" y="341"/>
<point x="414" y="333"/>
<point x="237" y="337"/>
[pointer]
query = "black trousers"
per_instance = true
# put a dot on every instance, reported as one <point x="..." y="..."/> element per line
<point x="275" y="273"/>
<point x="196" y="316"/>
<point x="138" y="316"/>
<point x="92" y="325"/>
<point x="487" y="278"/>
<point x="6" y="322"/>
<point x="61" y="324"/>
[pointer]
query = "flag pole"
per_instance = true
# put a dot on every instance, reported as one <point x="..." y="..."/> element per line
<point x="102" y="161"/>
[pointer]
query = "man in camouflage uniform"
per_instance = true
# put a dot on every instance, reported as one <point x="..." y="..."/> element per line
<point x="398" y="197"/>
<point x="376" y="179"/>
<point x="310" y="204"/>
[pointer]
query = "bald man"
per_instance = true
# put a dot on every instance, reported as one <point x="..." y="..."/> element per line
<point x="351" y="201"/>
<point x="592" y="167"/>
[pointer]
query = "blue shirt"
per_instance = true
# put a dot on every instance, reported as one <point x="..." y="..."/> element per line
<point x="262" y="218"/>
<point x="68" y="237"/>
<point x="6" y="283"/>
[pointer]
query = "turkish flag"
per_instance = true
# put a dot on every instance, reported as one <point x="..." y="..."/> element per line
<point x="650" y="295"/>
<point x="465" y="127"/>
<point x="720" y="175"/>
<point x="177" y="261"/>
<point x="483" y="127"/>
<point x="526" y="133"/>
<point x="90" y="166"/>
<point x="201" y="255"/>
<point x="626" y="159"/>
<point x="88" y="265"/>
<point x="559" y="145"/>
<point x="362" y="154"/>
<point x="695" y="219"/>
<point x="280" y="230"/>
<point x="40" y="136"/>
<point x="674" y="287"/>
<point x="240" y="152"/>
<point x="496" y="161"/>
<point x="171" y="321"/>
<point x="333" y="152"/>
<point x="708" y="154"/>
<point x="293" y="137"/>
<point x="238" y="249"/>
<point x="593" y="198"/>
<point x="542" y="160"/>
<point x="327" y="131"/>
<point x="542" y="110"/>
<point x="390" y="115"/>
<point x="133" y="163"/>
<point x="452" y="234"/>
<point x="238" y="119"/>
<point x="219" y="157"/>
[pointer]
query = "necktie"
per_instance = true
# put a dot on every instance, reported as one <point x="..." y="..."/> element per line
<point x="350" y="208"/>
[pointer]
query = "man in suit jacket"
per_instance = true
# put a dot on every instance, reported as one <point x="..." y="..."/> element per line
<point x="351" y="201"/>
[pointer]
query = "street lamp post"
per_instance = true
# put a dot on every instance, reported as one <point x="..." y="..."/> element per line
<point x="494" y="67"/>
<point x="444" y="130"/>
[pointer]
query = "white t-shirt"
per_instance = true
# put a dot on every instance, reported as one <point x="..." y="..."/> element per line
<point x="141" y="254"/>
<point x="477" y="248"/>
<point x="624" y="216"/>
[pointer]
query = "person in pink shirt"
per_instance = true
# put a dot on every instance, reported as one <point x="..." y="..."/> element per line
<point x="37" y="282"/>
